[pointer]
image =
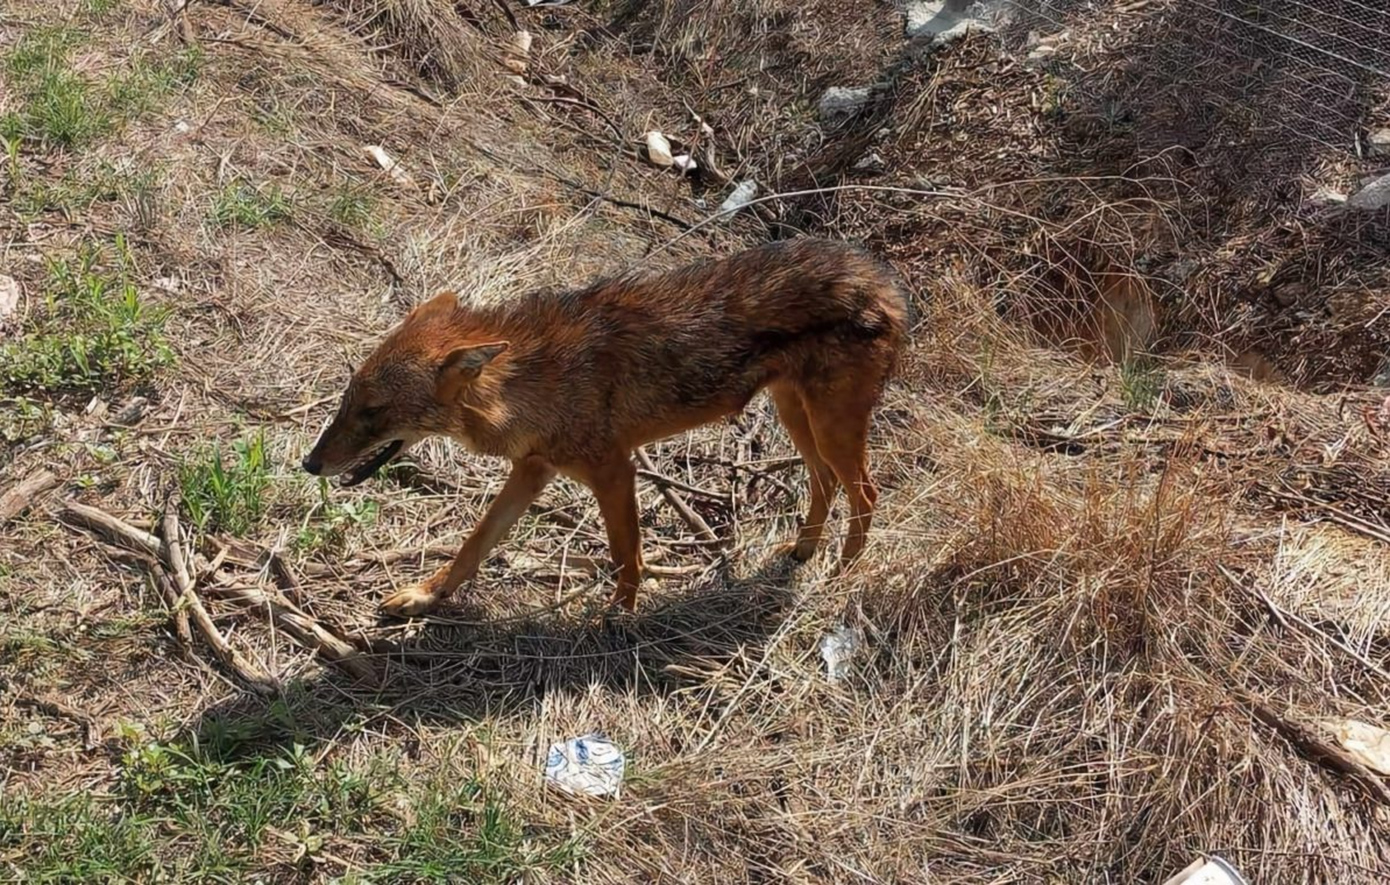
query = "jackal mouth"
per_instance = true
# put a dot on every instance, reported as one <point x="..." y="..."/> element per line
<point x="370" y="463"/>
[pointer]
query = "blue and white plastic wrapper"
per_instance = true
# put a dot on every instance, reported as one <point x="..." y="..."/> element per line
<point x="591" y="765"/>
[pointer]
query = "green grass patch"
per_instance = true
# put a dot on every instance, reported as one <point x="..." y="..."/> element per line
<point x="1141" y="382"/>
<point x="63" y="107"/>
<point x="179" y="813"/>
<point x="81" y="189"/>
<point x="239" y="204"/>
<point x="22" y="418"/>
<point x="329" y="523"/>
<point x="226" y="491"/>
<point x="95" y="330"/>
<point x="352" y="207"/>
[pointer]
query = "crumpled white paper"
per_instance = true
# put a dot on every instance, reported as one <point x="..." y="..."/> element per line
<point x="838" y="648"/>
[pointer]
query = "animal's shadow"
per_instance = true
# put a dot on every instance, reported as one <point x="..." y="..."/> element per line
<point x="461" y="668"/>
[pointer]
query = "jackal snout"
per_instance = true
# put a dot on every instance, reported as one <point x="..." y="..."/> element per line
<point x="409" y="388"/>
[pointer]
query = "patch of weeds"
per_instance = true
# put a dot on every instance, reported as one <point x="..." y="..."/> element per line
<point x="352" y="207"/>
<point x="22" y="418"/>
<point x="63" y="108"/>
<point x="227" y="494"/>
<point x="95" y="330"/>
<point x="77" y="191"/>
<point x="143" y="86"/>
<point x="496" y="847"/>
<point x="36" y="654"/>
<point x="74" y="839"/>
<point x="59" y="106"/>
<point x="100" y="7"/>
<point x="1141" y="382"/>
<point x="10" y="142"/>
<point x="330" y="522"/>
<point x="241" y="205"/>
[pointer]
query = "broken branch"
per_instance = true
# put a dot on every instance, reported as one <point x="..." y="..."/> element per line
<point x="250" y="673"/>
<point x="694" y="520"/>
<point x="24" y="493"/>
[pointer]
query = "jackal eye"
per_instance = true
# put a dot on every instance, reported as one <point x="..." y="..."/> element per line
<point x="370" y="412"/>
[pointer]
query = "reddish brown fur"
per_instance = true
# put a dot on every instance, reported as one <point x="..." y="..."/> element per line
<point x="573" y="383"/>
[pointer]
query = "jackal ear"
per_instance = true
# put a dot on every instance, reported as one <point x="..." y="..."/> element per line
<point x="443" y="303"/>
<point x="464" y="363"/>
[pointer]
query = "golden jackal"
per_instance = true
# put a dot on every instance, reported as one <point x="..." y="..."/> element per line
<point x="573" y="383"/>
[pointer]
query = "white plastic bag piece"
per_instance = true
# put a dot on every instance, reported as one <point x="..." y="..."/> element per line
<point x="741" y="196"/>
<point x="838" y="648"/>
<point x="591" y="764"/>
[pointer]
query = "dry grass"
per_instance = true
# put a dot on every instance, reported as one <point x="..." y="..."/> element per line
<point x="1105" y="606"/>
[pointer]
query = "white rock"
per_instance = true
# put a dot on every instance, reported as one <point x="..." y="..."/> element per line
<point x="920" y="16"/>
<point x="1373" y="196"/>
<point x="1378" y="142"/>
<point x="658" y="149"/>
<point x="841" y="100"/>
<point x="938" y="23"/>
<point x="9" y="297"/>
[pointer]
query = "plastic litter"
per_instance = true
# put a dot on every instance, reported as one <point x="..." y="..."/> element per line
<point x="1210" y="870"/>
<point x="591" y="764"/>
<point x="741" y="196"/>
<point x="838" y="648"/>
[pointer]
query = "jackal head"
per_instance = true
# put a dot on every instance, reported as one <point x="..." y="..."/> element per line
<point x="410" y="388"/>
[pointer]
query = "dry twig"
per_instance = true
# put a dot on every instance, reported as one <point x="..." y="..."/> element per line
<point x="694" y="520"/>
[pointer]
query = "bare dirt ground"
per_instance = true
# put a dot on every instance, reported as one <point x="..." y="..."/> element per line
<point x="1127" y="590"/>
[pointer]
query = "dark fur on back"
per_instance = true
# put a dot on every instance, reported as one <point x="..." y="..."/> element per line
<point x="702" y="338"/>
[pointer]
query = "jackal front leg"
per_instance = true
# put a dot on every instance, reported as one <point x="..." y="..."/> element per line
<point x="528" y="479"/>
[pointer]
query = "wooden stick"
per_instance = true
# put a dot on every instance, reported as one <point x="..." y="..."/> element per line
<point x="176" y="609"/>
<point x="302" y="628"/>
<point x="1322" y="751"/>
<point x="251" y="673"/>
<point x="663" y="480"/>
<point x="18" y="498"/>
<point x="120" y="533"/>
<point x="177" y="586"/>
<point x="693" y="519"/>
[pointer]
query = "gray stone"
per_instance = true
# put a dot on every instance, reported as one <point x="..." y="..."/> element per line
<point x="944" y="21"/>
<point x="870" y="164"/>
<point x="1373" y="196"/>
<point x="1378" y="142"/>
<point x="840" y="101"/>
<point x="1382" y="376"/>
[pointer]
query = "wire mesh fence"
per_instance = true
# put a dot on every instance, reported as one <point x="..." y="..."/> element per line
<point x="1274" y="75"/>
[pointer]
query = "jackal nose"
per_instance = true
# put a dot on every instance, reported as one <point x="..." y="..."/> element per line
<point x="312" y="464"/>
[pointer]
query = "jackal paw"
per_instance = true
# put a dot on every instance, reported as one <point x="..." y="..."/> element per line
<point x="801" y="551"/>
<point x="410" y="602"/>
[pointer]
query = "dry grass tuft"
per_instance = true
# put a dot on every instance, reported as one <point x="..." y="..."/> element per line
<point x="1110" y="594"/>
